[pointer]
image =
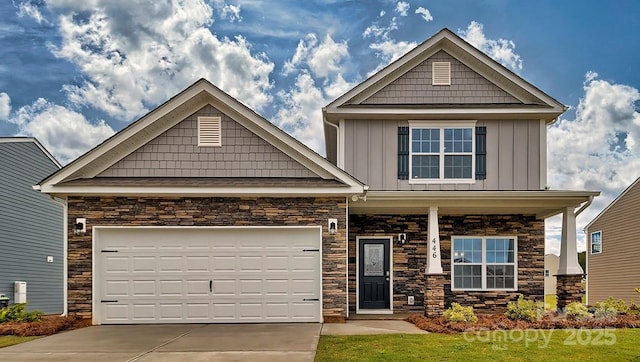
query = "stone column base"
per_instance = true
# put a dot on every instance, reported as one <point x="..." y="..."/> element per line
<point x="434" y="295"/>
<point x="568" y="289"/>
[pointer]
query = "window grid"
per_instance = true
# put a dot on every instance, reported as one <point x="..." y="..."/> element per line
<point x="442" y="153"/>
<point x="484" y="263"/>
<point x="596" y="242"/>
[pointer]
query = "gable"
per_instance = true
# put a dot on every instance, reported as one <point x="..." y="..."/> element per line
<point x="621" y="212"/>
<point x="415" y="87"/>
<point x="175" y="153"/>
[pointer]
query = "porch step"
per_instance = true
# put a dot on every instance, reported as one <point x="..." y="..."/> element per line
<point x="364" y="317"/>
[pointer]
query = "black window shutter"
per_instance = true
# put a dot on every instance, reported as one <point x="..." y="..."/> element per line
<point x="403" y="153"/>
<point x="481" y="153"/>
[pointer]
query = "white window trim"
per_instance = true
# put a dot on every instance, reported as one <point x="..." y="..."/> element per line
<point x="442" y="125"/>
<point x="591" y="242"/>
<point x="484" y="263"/>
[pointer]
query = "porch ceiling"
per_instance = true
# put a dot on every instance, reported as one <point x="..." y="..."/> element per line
<point x="543" y="204"/>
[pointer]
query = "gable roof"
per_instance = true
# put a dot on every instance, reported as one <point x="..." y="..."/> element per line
<point x="626" y="191"/>
<point x="534" y="102"/>
<point x="167" y="115"/>
<point x="10" y="140"/>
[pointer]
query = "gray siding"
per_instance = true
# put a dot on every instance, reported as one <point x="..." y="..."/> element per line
<point x="176" y="153"/>
<point x="513" y="156"/>
<point x="31" y="228"/>
<point x="467" y="87"/>
<point x="616" y="272"/>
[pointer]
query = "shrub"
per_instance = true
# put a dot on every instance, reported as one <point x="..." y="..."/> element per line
<point x="577" y="311"/>
<point x="460" y="314"/>
<point x="17" y="313"/>
<point x="524" y="310"/>
<point x="611" y="308"/>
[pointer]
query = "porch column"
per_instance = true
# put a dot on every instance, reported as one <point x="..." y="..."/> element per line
<point x="434" y="283"/>
<point x="569" y="278"/>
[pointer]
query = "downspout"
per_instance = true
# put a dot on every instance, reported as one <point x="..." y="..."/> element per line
<point x="63" y="202"/>
<point x="338" y="162"/>
<point x="583" y="207"/>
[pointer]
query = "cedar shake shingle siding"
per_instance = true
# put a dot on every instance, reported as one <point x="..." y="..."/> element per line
<point x="176" y="153"/>
<point x="616" y="271"/>
<point x="467" y="87"/>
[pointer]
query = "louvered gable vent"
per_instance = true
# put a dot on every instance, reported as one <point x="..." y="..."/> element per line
<point x="441" y="73"/>
<point x="209" y="131"/>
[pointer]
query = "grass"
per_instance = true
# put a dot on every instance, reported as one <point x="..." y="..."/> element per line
<point x="530" y="345"/>
<point x="6" y="341"/>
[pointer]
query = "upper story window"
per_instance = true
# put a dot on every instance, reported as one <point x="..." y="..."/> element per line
<point x="442" y="152"/>
<point x="596" y="242"/>
<point x="484" y="263"/>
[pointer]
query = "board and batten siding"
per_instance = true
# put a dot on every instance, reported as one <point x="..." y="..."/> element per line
<point x="616" y="271"/>
<point x="513" y="156"/>
<point x="31" y="228"/>
<point x="176" y="153"/>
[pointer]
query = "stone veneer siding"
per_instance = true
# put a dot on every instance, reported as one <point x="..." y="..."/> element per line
<point x="568" y="290"/>
<point x="410" y="259"/>
<point x="208" y="211"/>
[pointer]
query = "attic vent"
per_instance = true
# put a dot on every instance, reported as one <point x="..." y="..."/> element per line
<point x="209" y="131"/>
<point x="441" y="73"/>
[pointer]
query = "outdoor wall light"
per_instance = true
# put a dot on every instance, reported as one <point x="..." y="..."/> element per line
<point x="333" y="226"/>
<point x="402" y="238"/>
<point x="80" y="227"/>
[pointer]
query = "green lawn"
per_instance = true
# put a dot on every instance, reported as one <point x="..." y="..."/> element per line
<point x="6" y="341"/>
<point x="531" y="345"/>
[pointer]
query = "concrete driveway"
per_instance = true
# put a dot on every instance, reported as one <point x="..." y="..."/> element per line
<point x="192" y="342"/>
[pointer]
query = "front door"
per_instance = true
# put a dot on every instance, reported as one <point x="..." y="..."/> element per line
<point x="374" y="273"/>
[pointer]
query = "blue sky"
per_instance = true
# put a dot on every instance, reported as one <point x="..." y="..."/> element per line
<point x="72" y="72"/>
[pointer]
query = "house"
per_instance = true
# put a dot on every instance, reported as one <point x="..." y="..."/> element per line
<point x="203" y="211"/>
<point x="550" y="267"/>
<point x="612" y="239"/>
<point x="31" y="237"/>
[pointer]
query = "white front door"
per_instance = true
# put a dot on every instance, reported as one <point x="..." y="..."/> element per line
<point x="207" y="275"/>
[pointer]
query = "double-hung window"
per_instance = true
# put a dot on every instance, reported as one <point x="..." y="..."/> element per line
<point x="484" y="263"/>
<point x="596" y="242"/>
<point x="442" y="152"/>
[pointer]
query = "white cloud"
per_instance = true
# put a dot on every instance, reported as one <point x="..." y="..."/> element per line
<point x="30" y="9"/>
<point x="501" y="50"/>
<point x="134" y="57"/>
<point x="402" y="8"/>
<point x="5" y="105"/>
<point x="598" y="150"/>
<point x="65" y="133"/>
<point x="380" y="32"/>
<point x="425" y="13"/>
<point x="231" y="12"/>
<point x="390" y="50"/>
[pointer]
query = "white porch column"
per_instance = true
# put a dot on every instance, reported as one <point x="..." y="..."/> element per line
<point x="568" y="249"/>
<point x="434" y="262"/>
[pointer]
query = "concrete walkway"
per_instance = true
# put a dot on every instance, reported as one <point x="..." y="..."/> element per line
<point x="366" y="327"/>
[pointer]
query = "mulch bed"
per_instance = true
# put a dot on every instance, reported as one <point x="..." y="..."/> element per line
<point x="49" y="325"/>
<point x="501" y="322"/>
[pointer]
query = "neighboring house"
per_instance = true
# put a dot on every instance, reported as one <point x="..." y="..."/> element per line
<point x="613" y="240"/>
<point x="551" y="263"/>
<point x="31" y="226"/>
<point x="203" y="211"/>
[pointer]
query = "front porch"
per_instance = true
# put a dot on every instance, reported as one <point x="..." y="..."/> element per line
<point x="420" y="252"/>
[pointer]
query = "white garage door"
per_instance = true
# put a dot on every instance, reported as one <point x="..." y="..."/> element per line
<point x="207" y="275"/>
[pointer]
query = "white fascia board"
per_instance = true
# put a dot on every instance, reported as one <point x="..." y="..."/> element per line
<point x="441" y="113"/>
<point x="633" y="184"/>
<point x="125" y="134"/>
<point x="201" y="191"/>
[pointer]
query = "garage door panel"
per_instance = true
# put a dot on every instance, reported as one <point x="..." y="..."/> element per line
<point x="211" y="275"/>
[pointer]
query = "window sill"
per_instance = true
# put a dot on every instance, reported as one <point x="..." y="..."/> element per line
<point x="419" y="181"/>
